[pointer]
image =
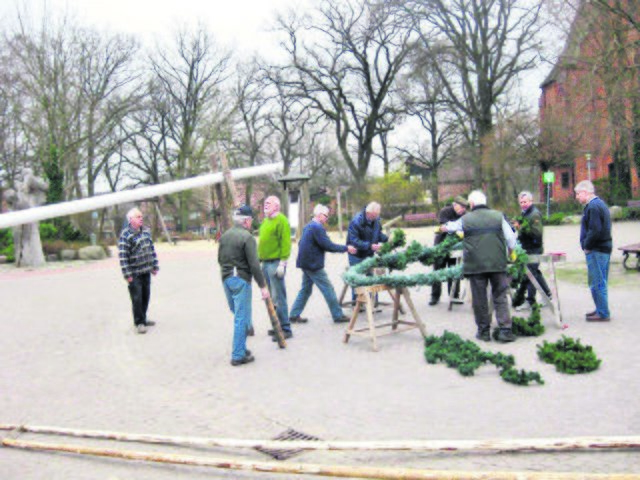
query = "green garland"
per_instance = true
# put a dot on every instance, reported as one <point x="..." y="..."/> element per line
<point x="467" y="357"/>
<point x="398" y="239"/>
<point x="358" y="275"/>
<point x="569" y="356"/>
<point x="528" y="327"/>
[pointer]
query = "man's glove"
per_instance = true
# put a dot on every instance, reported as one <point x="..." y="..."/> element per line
<point x="460" y="234"/>
<point x="513" y="256"/>
<point x="281" y="270"/>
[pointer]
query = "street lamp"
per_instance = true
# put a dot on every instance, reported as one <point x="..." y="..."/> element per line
<point x="588" y="157"/>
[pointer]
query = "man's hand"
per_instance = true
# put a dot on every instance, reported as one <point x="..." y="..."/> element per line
<point x="129" y="279"/>
<point x="154" y="272"/>
<point x="512" y="256"/>
<point x="439" y="229"/>
<point x="375" y="247"/>
<point x="352" y="250"/>
<point x="265" y="293"/>
<point x="282" y="269"/>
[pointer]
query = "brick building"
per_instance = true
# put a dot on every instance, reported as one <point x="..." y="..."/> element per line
<point x="590" y="107"/>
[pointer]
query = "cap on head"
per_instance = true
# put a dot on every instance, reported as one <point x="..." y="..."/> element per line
<point x="460" y="200"/>
<point x="244" y="211"/>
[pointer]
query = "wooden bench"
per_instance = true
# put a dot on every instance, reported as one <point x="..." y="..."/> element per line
<point x="628" y="250"/>
<point x="420" y="217"/>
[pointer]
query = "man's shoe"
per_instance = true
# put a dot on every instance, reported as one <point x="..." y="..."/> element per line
<point x="141" y="328"/>
<point x="248" y="358"/>
<point x="284" y="334"/>
<point x="483" y="335"/>
<point x="298" y="319"/>
<point x="150" y="323"/>
<point x="597" y="318"/>
<point x="590" y="314"/>
<point x="250" y="331"/>
<point x="342" y="319"/>
<point x="433" y="301"/>
<point x="525" y="307"/>
<point x="505" y="336"/>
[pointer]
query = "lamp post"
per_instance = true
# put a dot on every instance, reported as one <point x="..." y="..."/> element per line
<point x="588" y="157"/>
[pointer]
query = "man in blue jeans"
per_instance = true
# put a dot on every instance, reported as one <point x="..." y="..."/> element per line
<point x="238" y="259"/>
<point x="312" y="247"/>
<point x="596" y="242"/>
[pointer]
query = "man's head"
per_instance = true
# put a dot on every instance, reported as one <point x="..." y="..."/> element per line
<point x="321" y="213"/>
<point x="460" y="205"/>
<point x="243" y="217"/>
<point x="477" y="198"/>
<point x="525" y="199"/>
<point x="372" y="211"/>
<point x="135" y="218"/>
<point x="271" y="206"/>
<point x="585" y="191"/>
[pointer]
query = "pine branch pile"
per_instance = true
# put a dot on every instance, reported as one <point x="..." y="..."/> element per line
<point x="528" y="327"/>
<point x="467" y="357"/>
<point x="569" y="356"/>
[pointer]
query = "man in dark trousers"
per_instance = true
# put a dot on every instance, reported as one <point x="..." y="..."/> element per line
<point x="238" y="259"/>
<point x="488" y="241"/>
<point x="529" y="228"/>
<point x="138" y="261"/>
<point x="365" y="233"/>
<point x="450" y="213"/>
<point x="311" y="249"/>
<point x="596" y="243"/>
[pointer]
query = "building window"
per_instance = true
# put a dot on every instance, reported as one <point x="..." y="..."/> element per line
<point x="565" y="180"/>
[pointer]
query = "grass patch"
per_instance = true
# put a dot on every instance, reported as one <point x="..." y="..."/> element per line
<point x="576" y="273"/>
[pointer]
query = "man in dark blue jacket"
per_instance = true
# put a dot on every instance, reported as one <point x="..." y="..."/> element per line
<point x="596" y="242"/>
<point x="311" y="249"/>
<point x="365" y="234"/>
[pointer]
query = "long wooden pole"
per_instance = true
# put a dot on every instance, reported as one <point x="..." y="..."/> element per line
<point x="342" y="471"/>
<point x="448" y="446"/>
<point x="36" y="214"/>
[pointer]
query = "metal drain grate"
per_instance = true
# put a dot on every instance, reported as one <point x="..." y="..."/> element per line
<point x="289" y="434"/>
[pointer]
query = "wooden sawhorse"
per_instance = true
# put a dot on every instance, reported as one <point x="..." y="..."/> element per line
<point x="554" y="302"/>
<point x="366" y="296"/>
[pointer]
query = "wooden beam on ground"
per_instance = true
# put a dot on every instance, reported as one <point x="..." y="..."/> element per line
<point x="342" y="471"/>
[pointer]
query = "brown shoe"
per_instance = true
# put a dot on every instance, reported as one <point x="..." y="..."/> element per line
<point x="597" y="318"/>
<point x="590" y="314"/>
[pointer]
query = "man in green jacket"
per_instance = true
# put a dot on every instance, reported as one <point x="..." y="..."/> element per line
<point x="274" y="248"/>
<point x="487" y="237"/>
<point x="238" y="259"/>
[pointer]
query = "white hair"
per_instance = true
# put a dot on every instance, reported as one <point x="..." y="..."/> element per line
<point x="373" y="207"/>
<point x="477" y="198"/>
<point x="132" y="212"/>
<point x="525" y="194"/>
<point x="585" y="186"/>
<point x="320" y="209"/>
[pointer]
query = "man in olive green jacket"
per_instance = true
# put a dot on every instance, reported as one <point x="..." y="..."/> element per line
<point x="488" y="240"/>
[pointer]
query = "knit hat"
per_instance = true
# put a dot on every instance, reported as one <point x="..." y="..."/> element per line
<point x="460" y="200"/>
<point x="244" y="211"/>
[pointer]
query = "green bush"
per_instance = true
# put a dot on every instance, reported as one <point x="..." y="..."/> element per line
<point x="72" y="234"/>
<point x="48" y="231"/>
<point x="554" y="219"/>
<point x="6" y="244"/>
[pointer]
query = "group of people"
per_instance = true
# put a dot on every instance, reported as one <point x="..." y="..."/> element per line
<point x="488" y="243"/>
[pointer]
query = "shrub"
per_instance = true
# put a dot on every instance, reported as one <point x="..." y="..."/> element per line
<point x="6" y="244"/>
<point x="554" y="219"/>
<point x="48" y="231"/>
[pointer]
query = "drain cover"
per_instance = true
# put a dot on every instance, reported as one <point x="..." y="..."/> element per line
<point x="283" y="454"/>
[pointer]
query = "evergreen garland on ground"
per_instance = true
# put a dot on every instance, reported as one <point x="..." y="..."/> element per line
<point x="357" y="275"/>
<point x="467" y="357"/>
<point x="569" y="355"/>
<point x="526" y="327"/>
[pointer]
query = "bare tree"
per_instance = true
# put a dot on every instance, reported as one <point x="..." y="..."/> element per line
<point x="190" y="75"/>
<point x="344" y="63"/>
<point x="490" y="42"/>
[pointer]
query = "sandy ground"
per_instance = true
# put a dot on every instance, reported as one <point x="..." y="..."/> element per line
<point x="69" y="357"/>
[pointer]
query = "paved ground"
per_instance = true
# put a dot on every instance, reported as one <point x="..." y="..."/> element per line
<point x="69" y="357"/>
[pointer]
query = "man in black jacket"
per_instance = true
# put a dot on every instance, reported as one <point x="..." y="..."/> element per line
<point x="450" y="213"/>
<point x="529" y="228"/>
<point x="596" y="242"/>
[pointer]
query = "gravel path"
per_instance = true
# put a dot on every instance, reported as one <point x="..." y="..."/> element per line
<point x="70" y="358"/>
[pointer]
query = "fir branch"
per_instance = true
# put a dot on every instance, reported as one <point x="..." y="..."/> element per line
<point x="569" y="355"/>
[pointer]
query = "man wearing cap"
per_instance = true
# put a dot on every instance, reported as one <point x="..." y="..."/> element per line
<point x="238" y="259"/>
<point x="138" y="261"/>
<point x="311" y="249"/>
<point x="529" y="228"/>
<point x="274" y="248"/>
<point x="488" y="240"/>
<point x="450" y="213"/>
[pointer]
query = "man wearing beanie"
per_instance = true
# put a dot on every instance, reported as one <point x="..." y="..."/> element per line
<point x="450" y="213"/>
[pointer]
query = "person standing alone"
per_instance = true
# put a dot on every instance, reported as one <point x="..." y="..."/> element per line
<point x="138" y="261"/>
<point x="596" y="243"/>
